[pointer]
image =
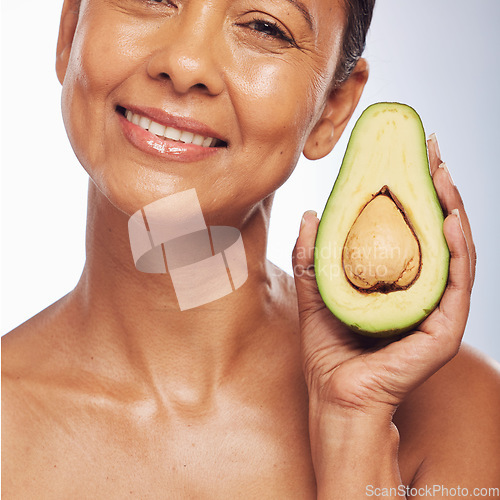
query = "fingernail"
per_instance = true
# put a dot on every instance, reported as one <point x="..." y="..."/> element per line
<point x="445" y="168"/>
<point x="308" y="213"/>
<point x="456" y="212"/>
<point x="434" y="141"/>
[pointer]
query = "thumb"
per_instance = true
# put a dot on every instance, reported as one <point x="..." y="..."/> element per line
<point x="309" y="299"/>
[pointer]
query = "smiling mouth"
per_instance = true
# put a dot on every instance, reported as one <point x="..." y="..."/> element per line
<point x="171" y="133"/>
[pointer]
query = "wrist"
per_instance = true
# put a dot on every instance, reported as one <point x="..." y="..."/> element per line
<point x="335" y="426"/>
<point x="352" y="450"/>
<point x="377" y="414"/>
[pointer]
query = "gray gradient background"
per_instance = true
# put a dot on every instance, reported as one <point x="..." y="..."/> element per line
<point x="440" y="56"/>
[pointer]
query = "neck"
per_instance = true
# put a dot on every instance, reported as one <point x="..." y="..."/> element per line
<point x="136" y="315"/>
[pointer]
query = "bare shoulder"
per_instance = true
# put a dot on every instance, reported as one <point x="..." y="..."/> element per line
<point x="22" y="365"/>
<point x="450" y="426"/>
<point x="31" y="347"/>
<point x="31" y="355"/>
<point x="40" y="382"/>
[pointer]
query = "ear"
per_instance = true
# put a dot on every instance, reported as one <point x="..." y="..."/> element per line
<point x="340" y="106"/>
<point x="67" y="28"/>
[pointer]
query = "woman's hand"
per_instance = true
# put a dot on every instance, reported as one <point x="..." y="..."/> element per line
<point x="355" y="383"/>
<point x="374" y="375"/>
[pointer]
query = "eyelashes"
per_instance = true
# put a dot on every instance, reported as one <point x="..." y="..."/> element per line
<point x="269" y="29"/>
<point x="166" y="2"/>
<point x="262" y="27"/>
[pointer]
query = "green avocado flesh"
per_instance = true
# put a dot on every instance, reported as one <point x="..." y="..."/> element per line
<point x="381" y="259"/>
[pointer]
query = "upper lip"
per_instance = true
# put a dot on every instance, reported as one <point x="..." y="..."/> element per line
<point x="184" y="123"/>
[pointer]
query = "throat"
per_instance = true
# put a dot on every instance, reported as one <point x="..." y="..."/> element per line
<point x="134" y="317"/>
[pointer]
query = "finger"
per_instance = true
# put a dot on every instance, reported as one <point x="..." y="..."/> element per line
<point x="434" y="153"/>
<point x="438" y="338"/>
<point x="448" y="322"/>
<point x="449" y="196"/>
<point x="321" y="331"/>
<point x="303" y="264"/>
<point x="450" y="199"/>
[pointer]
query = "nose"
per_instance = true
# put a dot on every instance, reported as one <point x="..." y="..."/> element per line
<point x="185" y="52"/>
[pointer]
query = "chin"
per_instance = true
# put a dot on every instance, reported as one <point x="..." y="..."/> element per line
<point x="128" y="194"/>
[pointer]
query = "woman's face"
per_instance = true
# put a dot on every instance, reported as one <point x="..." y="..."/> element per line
<point x="250" y="77"/>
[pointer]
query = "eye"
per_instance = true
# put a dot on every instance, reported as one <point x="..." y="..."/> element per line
<point x="269" y="29"/>
<point x="168" y="3"/>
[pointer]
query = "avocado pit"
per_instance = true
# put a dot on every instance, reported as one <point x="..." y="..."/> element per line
<point x="381" y="252"/>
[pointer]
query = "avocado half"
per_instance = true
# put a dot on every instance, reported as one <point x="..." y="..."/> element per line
<point x="381" y="259"/>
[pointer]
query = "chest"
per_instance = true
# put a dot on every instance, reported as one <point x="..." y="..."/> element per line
<point x="221" y="458"/>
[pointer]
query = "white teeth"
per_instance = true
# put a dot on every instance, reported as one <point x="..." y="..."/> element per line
<point x="187" y="137"/>
<point x="198" y="140"/>
<point x="172" y="133"/>
<point x="156" y="128"/>
<point x="169" y="132"/>
<point x="144" y="123"/>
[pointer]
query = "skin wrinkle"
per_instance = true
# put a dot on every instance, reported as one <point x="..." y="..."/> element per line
<point x="213" y="403"/>
<point x="138" y="381"/>
<point x="341" y="73"/>
<point x="303" y="9"/>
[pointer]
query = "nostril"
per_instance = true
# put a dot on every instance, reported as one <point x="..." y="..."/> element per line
<point x="200" y="86"/>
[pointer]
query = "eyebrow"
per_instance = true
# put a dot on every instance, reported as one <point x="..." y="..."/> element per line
<point x="303" y="10"/>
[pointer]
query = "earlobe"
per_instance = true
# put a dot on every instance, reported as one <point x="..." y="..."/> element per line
<point x="339" y="108"/>
<point x="67" y="28"/>
<point x="321" y="140"/>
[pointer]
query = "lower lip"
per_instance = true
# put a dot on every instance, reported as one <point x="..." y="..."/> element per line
<point x="163" y="148"/>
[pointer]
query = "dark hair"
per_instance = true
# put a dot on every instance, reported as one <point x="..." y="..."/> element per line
<point x="359" y="15"/>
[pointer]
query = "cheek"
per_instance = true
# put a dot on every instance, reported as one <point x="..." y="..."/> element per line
<point x="276" y="105"/>
<point x="105" y="46"/>
<point x="101" y="58"/>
